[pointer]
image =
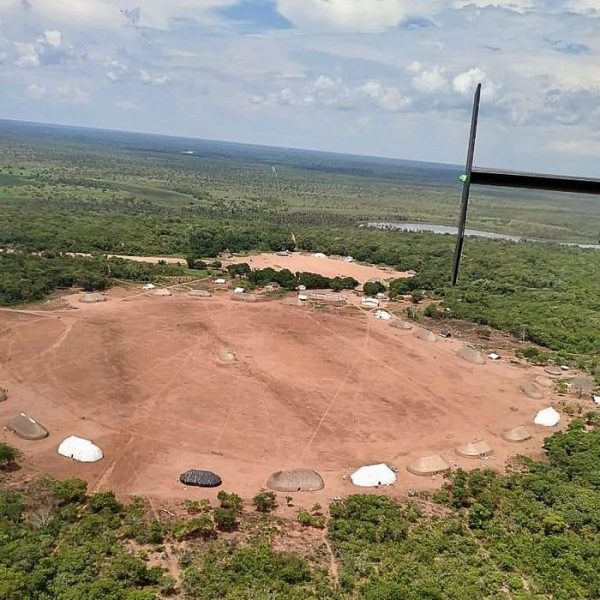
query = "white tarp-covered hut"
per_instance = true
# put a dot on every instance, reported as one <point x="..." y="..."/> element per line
<point x="370" y="302"/>
<point x="373" y="476"/>
<point x="517" y="434"/>
<point x="148" y="286"/>
<point x="80" y="449"/>
<point x="220" y="281"/>
<point x="471" y="354"/>
<point x="428" y="465"/>
<point x="296" y="480"/>
<point x="239" y="290"/>
<point x="384" y="315"/>
<point x="475" y="449"/>
<point x="319" y="255"/>
<point x="92" y="297"/>
<point x="548" y="417"/>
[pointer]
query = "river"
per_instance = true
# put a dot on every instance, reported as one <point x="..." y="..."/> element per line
<point x="448" y="229"/>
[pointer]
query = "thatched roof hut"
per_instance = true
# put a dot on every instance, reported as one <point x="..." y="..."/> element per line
<point x="161" y="292"/>
<point x="200" y="293"/>
<point x="400" y="324"/>
<point x="27" y="427"/>
<point x="425" y="335"/>
<point x="92" y="297"/>
<point x="553" y="371"/>
<point x="428" y="465"/>
<point x="517" y="434"/>
<point x="544" y="381"/>
<point x="243" y="297"/>
<point x="532" y="391"/>
<point x="296" y="480"/>
<point x="200" y="478"/>
<point x="471" y="354"/>
<point x="475" y="449"/>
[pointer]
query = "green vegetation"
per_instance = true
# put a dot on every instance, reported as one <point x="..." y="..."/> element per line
<point x="532" y="534"/>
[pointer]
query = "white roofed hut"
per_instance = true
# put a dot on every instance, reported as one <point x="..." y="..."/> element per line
<point x="80" y="449"/>
<point x="384" y="315"/>
<point x="373" y="476"/>
<point x="548" y="417"/>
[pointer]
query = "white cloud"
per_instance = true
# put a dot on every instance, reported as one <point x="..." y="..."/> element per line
<point x="520" y="6"/>
<point x="148" y="79"/>
<point x="36" y="91"/>
<point x="116" y="71"/>
<point x="127" y="105"/>
<point x="352" y="15"/>
<point x="429" y="81"/>
<point x="68" y="93"/>
<point x="26" y="55"/>
<point x="53" y="38"/>
<point x="579" y="147"/>
<point x="388" y="98"/>
<point x="466" y="82"/>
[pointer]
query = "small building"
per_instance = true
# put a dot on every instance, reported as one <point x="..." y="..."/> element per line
<point x="148" y="286"/>
<point x="272" y="285"/>
<point x="301" y="288"/>
<point x="369" y="302"/>
<point x="80" y="449"/>
<point x="239" y="290"/>
<point x="373" y="476"/>
<point x="319" y="255"/>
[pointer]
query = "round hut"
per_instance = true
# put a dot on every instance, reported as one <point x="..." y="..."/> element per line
<point x="200" y="478"/>
<point x="428" y="465"/>
<point x="471" y="354"/>
<point x="425" y="335"/>
<point x="80" y="449"/>
<point x="475" y="449"/>
<point x="517" y="434"/>
<point x="548" y="417"/>
<point x="553" y="371"/>
<point x="200" y="293"/>
<point x="373" y="476"/>
<point x="162" y="292"/>
<point x="27" y="427"/>
<point x="296" y="480"/>
<point x="532" y="391"/>
<point x="92" y="297"/>
<point x="400" y="324"/>
<point x="544" y="381"/>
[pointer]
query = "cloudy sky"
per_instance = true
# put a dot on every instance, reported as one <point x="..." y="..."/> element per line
<point x="380" y="77"/>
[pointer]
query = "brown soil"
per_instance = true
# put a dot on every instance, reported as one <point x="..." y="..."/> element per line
<point x="330" y="391"/>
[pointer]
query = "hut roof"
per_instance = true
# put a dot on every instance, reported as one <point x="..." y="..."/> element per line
<point x="548" y="417"/>
<point x="92" y="297"/>
<point x="161" y="292"/>
<point x="544" y="381"/>
<point x="27" y="427"/>
<point x="532" y="391"/>
<point x="475" y="449"/>
<point x="585" y="383"/>
<point x="471" y="354"/>
<point x="373" y="476"/>
<point x="244" y="297"/>
<point x="200" y="293"/>
<point x="383" y="314"/>
<point x="553" y="371"/>
<point x="200" y="478"/>
<point x="517" y="434"/>
<point x="296" y="480"/>
<point x="428" y="465"/>
<point x="80" y="449"/>
<point x="400" y="324"/>
<point x="226" y="355"/>
<point x="425" y="335"/>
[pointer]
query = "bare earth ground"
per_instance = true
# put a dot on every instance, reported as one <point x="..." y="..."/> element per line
<point x="328" y="267"/>
<point x="145" y="380"/>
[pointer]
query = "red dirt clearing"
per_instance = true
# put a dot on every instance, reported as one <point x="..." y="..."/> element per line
<point x="326" y="266"/>
<point x="145" y="380"/>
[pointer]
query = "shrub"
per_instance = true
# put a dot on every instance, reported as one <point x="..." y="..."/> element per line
<point x="372" y="288"/>
<point x="265" y="501"/>
<point x="8" y="455"/>
<point x="226" y="519"/>
<point x="230" y="501"/>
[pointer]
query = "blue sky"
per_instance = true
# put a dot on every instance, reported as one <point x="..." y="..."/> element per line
<point x="379" y="77"/>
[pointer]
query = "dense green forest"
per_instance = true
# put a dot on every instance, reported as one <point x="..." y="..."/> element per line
<point x="532" y="534"/>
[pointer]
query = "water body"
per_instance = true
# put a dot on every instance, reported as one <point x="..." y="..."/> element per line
<point x="448" y="229"/>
